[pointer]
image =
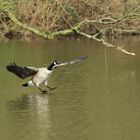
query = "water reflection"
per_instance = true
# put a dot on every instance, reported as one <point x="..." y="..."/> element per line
<point x="96" y="99"/>
<point x="30" y="114"/>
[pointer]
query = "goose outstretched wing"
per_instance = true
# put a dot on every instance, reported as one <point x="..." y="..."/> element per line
<point x="73" y="61"/>
<point x="21" y="71"/>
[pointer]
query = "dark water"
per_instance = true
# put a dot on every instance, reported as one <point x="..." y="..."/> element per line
<point x="97" y="99"/>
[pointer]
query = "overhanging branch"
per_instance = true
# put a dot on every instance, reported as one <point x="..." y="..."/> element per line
<point x="76" y="29"/>
<point x="107" y="44"/>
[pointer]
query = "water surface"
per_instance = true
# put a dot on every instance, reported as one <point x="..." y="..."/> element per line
<point x="97" y="99"/>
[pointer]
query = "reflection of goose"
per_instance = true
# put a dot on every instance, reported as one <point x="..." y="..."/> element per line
<point x="39" y="75"/>
<point x="31" y="114"/>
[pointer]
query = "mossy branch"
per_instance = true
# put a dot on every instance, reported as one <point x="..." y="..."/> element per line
<point x="25" y="26"/>
<point x="40" y="33"/>
<point x="62" y="32"/>
<point x="76" y="29"/>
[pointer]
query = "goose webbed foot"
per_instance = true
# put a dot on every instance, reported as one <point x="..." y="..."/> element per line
<point x="43" y="91"/>
<point x="51" y="88"/>
<point x="46" y="91"/>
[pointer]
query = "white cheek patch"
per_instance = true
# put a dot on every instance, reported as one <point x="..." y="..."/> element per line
<point x="30" y="83"/>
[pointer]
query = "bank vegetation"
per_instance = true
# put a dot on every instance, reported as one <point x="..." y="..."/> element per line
<point x="49" y="19"/>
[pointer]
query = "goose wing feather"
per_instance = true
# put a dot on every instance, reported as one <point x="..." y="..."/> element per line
<point x="73" y="61"/>
<point x="21" y="71"/>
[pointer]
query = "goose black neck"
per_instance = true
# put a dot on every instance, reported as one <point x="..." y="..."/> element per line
<point x="51" y="67"/>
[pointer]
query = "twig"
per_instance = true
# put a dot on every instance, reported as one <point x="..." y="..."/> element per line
<point x="106" y="63"/>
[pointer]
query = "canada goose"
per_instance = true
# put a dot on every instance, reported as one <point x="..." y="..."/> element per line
<point x="39" y="75"/>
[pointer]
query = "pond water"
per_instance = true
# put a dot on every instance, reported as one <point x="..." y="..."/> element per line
<point x="97" y="99"/>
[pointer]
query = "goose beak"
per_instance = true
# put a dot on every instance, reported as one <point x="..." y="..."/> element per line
<point x="57" y="65"/>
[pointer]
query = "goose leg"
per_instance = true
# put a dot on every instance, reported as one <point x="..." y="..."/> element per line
<point x="43" y="91"/>
<point x="50" y="88"/>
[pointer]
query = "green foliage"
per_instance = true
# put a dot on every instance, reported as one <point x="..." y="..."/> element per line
<point x="7" y="5"/>
<point x="72" y="10"/>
